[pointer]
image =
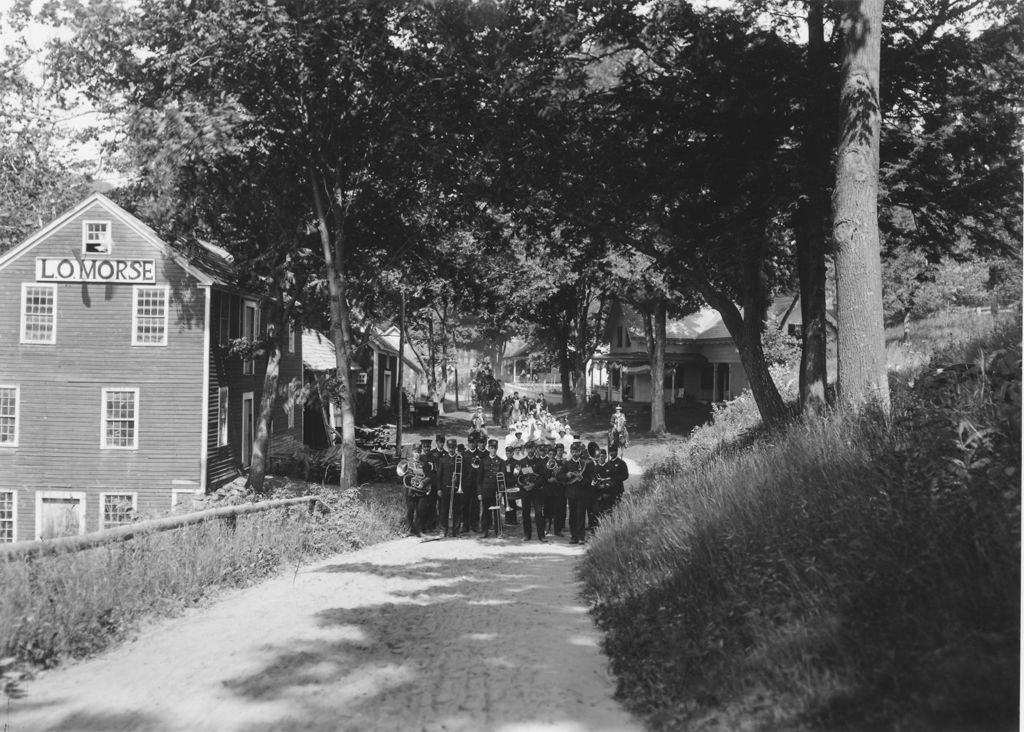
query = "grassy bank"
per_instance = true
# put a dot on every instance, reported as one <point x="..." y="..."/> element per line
<point x="846" y="574"/>
<point x="70" y="605"/>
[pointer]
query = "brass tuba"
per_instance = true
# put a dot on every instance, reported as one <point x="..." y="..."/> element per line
<point x="412" y="474"/>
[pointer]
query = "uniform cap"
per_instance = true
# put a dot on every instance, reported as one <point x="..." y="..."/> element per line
<point x="492" y="443"/>
<point x="452" y="442"/>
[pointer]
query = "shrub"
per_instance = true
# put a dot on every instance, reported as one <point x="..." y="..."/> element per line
<point x="70" y="605"/>
<point x="848" y="573"/>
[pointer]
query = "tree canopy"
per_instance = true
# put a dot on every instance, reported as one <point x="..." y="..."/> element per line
<point x="494" y="161"/>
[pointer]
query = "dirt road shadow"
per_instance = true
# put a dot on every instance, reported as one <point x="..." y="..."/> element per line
<point x="486" y="642"/>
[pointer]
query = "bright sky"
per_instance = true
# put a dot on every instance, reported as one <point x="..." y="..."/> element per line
<point x="74" y="120"/>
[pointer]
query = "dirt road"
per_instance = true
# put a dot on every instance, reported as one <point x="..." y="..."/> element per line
<point x="456" y="634"/>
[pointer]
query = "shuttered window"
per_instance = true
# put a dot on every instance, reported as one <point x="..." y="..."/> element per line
<point x="38" y="313"/>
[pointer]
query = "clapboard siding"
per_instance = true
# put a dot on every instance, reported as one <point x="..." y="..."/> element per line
<point x="225" y="463"/>
<point x="60" y="399"/>
<point x="60" y="410"/>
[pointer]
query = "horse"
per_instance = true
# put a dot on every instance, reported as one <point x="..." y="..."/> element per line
<point x="619" y="439"/>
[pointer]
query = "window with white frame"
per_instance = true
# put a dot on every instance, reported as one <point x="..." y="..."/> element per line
<point x="120" y="429"/>
<point x="96" y="237"/>
<point x="250" y="326"/>
<point x="117" y="509"/>
<point x="222" y="416"/>
<point x="38" y="313"/>
<point x="149" y="317"/>
<point x="8" y="517"/>
<point x="9" y="398"/>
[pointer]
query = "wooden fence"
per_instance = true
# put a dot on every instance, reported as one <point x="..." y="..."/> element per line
<point x="66" y="544"/>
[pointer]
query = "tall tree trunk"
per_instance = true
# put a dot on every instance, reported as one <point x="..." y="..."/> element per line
<point x="268" y="399"/>
<point x="746" y="329"/>
<point x="341" y="330"/>
<point x="579" y="384"/>
<point x="862" y="373"/>
<point x="655" y="332"/>
<point x="812" y="211"/>
<point x="564" y="372"/>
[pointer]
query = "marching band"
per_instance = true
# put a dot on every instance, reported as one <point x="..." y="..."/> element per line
<point x="539" y="476"/>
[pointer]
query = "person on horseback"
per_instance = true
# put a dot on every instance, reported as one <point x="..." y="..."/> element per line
<point x="618" y="435"/>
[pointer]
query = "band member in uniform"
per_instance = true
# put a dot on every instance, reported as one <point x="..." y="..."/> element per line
<point x="514" y="469"/>
<point x="578" y="477"/>
<point x="533" y="494"/>
<point x="602" y="487"/>
<point x="555" y="510"/>
<point x="449" y="487"/>
<point x="472" y="471"/>
<point x="428" y="504"/>
<point x="490" y="467"/>
<point x="619" y="475"/>
<point x="415" y="498"/>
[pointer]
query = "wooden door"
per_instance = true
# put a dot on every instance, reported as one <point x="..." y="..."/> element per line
<point x="61" y="514"/>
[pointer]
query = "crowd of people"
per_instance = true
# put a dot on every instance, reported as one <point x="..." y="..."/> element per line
<point x="538" y="476"/>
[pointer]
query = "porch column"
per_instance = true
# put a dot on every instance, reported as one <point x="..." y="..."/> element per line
<point x="714" y="382"/>
<point x="374" y="374"/>
<point x="673" y="399"/>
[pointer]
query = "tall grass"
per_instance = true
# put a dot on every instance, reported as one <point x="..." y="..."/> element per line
<point x="849" y="573"/>
<point x="70" y="605"/>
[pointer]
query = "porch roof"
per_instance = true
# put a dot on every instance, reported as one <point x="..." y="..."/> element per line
<point x="638" y="358"/>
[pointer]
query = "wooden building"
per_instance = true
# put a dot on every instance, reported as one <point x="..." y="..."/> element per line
<point x="119" y="396"/>
<point x="373" y="376"/>
<point x="701" y="360"/>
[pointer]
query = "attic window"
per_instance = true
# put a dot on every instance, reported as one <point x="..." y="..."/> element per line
<point x="96" y="237"/>
<point x="618" y="336"/>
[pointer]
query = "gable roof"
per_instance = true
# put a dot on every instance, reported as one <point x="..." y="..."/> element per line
<point x="317" y="351"/>
<point x="388" y="341"/>
<point x="208" y="268"/>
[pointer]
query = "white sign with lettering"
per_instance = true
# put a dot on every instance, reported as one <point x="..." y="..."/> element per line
<point x="70" y="269"/>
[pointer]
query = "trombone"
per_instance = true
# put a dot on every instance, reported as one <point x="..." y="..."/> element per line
<point x="500" y="507"/>
<point x="456" y="487"/>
